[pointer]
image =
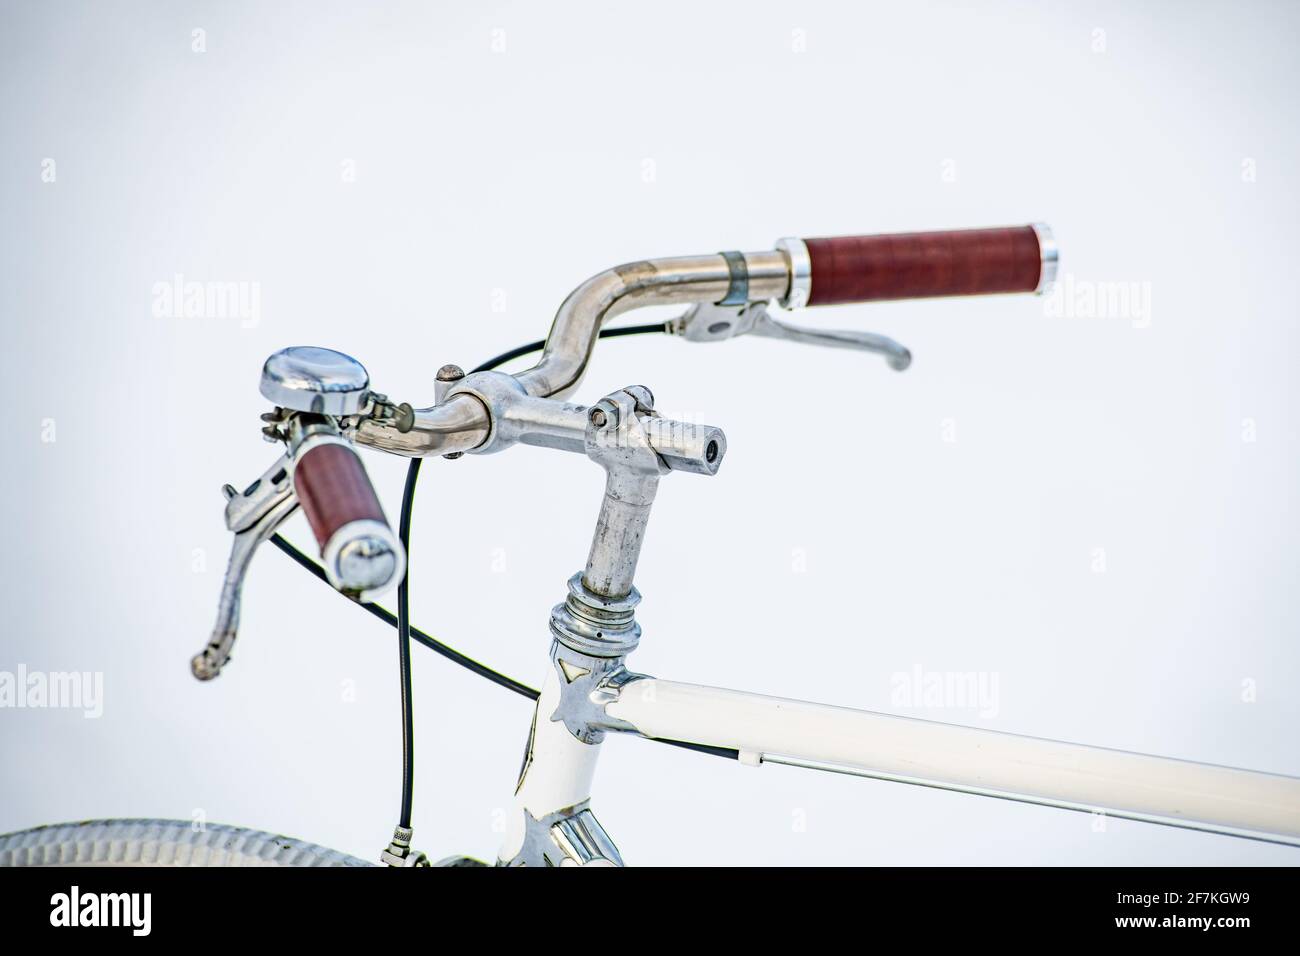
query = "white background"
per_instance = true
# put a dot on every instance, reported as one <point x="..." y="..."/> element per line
<point x="523" y="171"/>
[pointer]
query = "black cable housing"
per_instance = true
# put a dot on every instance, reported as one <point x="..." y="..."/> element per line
<point x="404" y="646"/>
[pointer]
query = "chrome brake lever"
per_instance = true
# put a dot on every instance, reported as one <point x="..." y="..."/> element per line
<point x="715" y="323"/>
<point x="253" y="515"/>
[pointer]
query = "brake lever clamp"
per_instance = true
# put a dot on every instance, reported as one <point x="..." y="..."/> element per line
<point x="716" y="323"/>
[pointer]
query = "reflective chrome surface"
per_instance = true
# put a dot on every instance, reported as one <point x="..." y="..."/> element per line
<point x="365" y="563"/>
<point x="570" y="837"/>
<point x="584" y="842"/>
<point x="519" y="418"/>
<point x="310" y="379"/>
<point x="577" y="323"/>
<point x="799" y="266"/>
<point x="459" y="424"/>
<point x="364" y="558"/>
<point x="1049" y="254"/>
<point x="633" y="285"/>
<point x="462" y="424"/>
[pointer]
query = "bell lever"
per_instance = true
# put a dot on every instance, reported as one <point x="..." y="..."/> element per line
<point x="716" y="323"/>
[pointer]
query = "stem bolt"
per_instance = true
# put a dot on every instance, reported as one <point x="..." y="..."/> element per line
<point x="447" y="376"/>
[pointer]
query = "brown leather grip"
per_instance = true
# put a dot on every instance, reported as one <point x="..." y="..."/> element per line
<point x="332" y="485"/>
<point x="916" y="265"/>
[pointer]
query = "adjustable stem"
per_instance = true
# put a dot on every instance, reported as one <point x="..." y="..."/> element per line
<point x="616" y="546"/>
<point x="616" y="441"/>
<point x="594" y="629"/>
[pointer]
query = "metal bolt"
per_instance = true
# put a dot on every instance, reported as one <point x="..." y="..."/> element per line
<point x="447" y="376"/>
<point x="598" y="417"/>
<point x="404" y="417"/>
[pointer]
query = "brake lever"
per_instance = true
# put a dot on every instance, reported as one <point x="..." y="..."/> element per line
<point x="253" y="515"/>
<point x="716" y="323"/>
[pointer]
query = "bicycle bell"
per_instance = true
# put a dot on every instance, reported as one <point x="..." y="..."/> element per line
<point x="309" y="379"/>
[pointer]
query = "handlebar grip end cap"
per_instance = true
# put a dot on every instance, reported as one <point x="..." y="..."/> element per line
<point x="364" y="559"/>
<point x="1049" y="256"/>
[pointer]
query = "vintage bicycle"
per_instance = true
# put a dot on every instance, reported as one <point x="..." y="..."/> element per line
<point x="324" y="408"/>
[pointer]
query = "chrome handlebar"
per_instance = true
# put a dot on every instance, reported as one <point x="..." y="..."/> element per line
<point x="738" y="283"/>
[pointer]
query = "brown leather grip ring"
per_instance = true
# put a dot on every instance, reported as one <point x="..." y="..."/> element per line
<point x="918" y="265"/>
<point x="332" y="485"/>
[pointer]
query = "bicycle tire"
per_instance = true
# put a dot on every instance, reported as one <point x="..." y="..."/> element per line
<point x="161" y="843"/>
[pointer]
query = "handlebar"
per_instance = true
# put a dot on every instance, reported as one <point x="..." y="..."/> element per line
<point x="797" y="273"/>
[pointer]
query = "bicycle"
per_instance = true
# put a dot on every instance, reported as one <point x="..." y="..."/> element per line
<point x="324" y="408"/>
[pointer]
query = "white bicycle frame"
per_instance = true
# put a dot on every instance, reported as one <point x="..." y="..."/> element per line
<point x="764" y="729"/>
<point x="589" y="691"/>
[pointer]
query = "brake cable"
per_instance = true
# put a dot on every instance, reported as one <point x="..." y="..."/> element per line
<point x="419" y="636"/>
<point x="404" y="646"/>
<point x="402" y="622"/>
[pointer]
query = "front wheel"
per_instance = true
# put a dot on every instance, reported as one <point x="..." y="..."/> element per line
<point x="161" y="843"/>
